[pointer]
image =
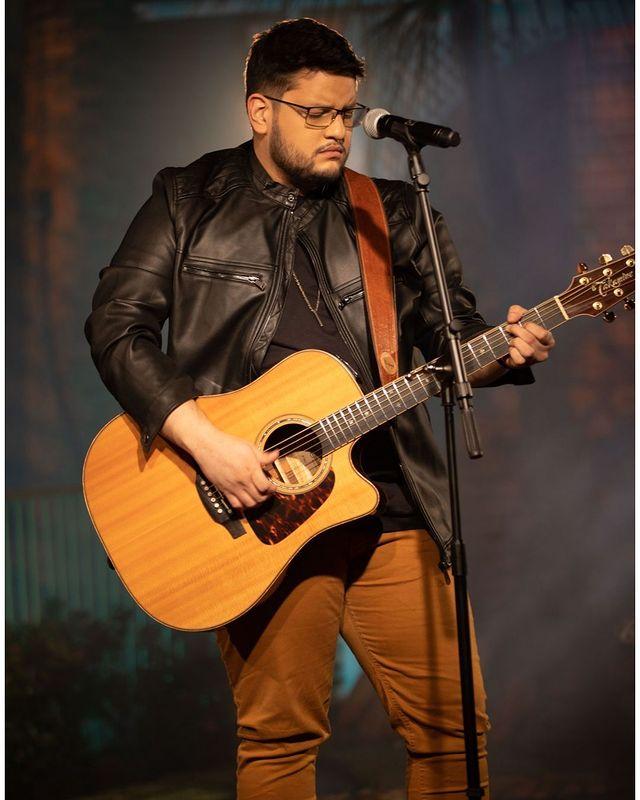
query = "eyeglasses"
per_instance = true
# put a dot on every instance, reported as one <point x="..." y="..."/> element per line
<point x="322" y="117"/>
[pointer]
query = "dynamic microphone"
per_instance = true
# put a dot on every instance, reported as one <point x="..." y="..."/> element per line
<point x="380" y="124"/>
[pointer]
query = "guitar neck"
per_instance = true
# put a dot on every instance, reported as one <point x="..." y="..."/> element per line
<point x="389" y="401"/>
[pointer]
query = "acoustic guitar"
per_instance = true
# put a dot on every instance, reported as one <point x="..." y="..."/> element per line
<point x="186" y="557"/>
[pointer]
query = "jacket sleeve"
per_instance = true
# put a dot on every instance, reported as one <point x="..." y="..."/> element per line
<point x="433" y="343"/>
<point x="130" y="306"/>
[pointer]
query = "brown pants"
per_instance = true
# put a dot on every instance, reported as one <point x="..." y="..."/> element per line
<point x="385" y="594"/>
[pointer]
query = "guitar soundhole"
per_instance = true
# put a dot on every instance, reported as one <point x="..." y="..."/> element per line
<point x="301" y="464"/>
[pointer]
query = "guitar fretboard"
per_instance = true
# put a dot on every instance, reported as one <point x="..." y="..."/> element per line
<point x="389" y="401"/>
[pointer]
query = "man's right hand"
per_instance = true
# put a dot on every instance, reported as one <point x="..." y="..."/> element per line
<point x="235" y="466"/>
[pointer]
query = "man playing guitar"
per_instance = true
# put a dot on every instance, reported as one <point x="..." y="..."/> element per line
<point x="250" y="255"/>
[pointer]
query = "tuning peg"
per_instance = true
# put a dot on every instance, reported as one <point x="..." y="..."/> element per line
<point x="629" y="304"/>
<point x="609" y="316"/>
<point x="582" y="267"/>
<point x="605" y="258"/>
<point x="627" y="250"/>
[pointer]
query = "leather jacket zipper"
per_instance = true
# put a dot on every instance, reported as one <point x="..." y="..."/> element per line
<point x="350" y="298"/>
<point x="266" y="310"/>
<point x="314" y="257"/>
<point x="211" y="272"/>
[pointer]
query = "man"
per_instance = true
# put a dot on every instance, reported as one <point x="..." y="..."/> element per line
<point x="250" y="254"/>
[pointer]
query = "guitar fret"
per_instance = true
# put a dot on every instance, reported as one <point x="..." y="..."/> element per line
<point x="488" y="345"/>
<point x="561" y="307"/>
<point x="408" y="381"/>
<point x="395" y="386"/>
<point x="549" y="314"/>
<point x="328" y="434"/>
<point x="495" y="345"/>
<point x="384" y="415"/>
<point x="340" y="433"/>
<point x="363" y="420"/>
<point x="367" y="416"/>
<point x="433" y="386"/>
<point x="353" y="416"/>
<point x="370" y="411"/>
<point x="389" y="400"/>
<point x="482" y="352"/>
<point x="470" y="349"/>
<point x="346" y="423"/>
<point x="506" y="337"/>
<point x="323" y="435"/>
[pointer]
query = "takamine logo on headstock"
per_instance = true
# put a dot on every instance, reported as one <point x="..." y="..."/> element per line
<point x="594" y="291"/>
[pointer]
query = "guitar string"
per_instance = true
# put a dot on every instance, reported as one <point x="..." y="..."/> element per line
<point x="337" y="430"/>
<point x="336" y="427"/>
<point x="310" y="434"/>
<point x="391" y="404"/>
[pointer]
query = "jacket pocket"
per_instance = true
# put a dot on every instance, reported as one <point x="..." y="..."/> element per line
<point x="353" y="291"/>
<point x="231" y="274"/>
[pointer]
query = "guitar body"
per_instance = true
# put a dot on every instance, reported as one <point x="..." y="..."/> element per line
<point x="155" y="515"/>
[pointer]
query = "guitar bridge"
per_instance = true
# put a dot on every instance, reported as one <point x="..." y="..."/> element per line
<point x="213" y="500"/>
<point x="217" y="506"/>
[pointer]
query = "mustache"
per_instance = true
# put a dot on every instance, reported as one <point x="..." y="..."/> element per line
<point x="332" y="147"/>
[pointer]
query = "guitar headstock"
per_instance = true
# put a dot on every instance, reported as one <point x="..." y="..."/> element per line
<point x="594" y="291"/>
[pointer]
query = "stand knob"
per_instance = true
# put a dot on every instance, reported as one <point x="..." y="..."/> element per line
<point x="605" y="259"/>
<point x="609" y="316"/>
<point x="629" y="304"/>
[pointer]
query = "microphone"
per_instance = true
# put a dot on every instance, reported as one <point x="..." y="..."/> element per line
<point x="380" y="124"/>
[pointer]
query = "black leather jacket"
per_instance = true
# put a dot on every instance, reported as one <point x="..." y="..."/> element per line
<point x="212" y="251"/>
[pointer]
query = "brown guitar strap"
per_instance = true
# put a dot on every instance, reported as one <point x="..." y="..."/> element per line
<point x="374" y="250"/>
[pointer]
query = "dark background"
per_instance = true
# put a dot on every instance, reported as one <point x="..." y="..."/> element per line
<point x="103" y="93"/>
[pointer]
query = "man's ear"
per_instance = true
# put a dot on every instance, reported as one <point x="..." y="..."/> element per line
<point x="259" y="112"/>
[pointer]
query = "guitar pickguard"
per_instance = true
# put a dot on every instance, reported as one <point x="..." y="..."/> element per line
<point x="283" y="514"/>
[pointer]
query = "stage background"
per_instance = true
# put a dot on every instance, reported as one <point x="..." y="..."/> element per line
<point x="103" y="93"/>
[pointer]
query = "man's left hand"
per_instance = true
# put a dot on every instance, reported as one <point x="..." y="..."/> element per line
<point x="530" y="343"/>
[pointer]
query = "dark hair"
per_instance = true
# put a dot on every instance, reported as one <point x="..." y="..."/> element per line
<point x="293" y="45"/>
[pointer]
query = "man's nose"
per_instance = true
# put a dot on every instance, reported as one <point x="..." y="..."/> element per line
<point x="337" y="129"/>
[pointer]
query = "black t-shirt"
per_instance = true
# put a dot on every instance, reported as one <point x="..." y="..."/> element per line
<point x="374" y="454"/>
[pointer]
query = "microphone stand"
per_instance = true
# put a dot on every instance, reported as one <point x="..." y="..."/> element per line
<point x="454" y="382"/>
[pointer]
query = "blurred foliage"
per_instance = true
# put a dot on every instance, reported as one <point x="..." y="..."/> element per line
<point x="80" y="720"/>
<point x="444" y="40"/>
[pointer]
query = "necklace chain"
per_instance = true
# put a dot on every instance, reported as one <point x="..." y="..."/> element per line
<point x="313" y="310"/>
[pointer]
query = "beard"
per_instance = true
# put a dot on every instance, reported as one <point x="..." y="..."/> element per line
<point x="300" y="168"/>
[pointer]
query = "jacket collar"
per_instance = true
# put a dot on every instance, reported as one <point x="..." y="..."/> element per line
<point x="265" y="183"/>
<point x="304" y="207"/>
